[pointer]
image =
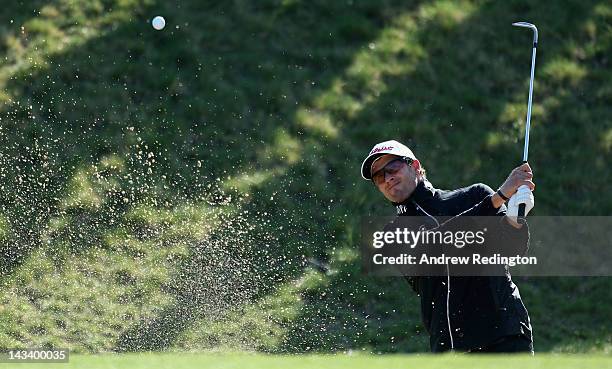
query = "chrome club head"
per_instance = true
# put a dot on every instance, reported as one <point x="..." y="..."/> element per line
<point x="523" y="24"/>
<point x="528" y="25"/>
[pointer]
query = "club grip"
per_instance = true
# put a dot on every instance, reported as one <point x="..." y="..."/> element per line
<point x="521" y="210"/>
<point x="521" y="219"/>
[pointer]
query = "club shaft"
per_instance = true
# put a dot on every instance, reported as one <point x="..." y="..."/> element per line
<point x="528" y="124"/>
<point x="521" y="209"/>
<point x="522" y="206"/>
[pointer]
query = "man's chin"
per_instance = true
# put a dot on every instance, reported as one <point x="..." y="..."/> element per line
<point x="396" y="197"/>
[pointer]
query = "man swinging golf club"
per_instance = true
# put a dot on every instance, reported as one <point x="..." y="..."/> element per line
<point x="473" y="314"/>
<point x="496" y="319"/>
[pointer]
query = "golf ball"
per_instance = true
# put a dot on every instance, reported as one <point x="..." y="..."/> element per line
<point x="158" y="22"/>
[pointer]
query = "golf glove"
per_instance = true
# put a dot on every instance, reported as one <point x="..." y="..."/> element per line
<point x="522" y="196"/>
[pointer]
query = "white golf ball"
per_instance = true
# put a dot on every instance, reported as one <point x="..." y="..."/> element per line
<point x="158" y="22"/>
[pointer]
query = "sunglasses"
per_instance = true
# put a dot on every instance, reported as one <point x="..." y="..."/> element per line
<point x="392" y="167"/>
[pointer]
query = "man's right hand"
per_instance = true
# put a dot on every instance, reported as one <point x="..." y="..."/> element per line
<point x="519" y="176"/>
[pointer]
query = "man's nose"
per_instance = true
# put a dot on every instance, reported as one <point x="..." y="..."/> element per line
<point x="389" y="177"/>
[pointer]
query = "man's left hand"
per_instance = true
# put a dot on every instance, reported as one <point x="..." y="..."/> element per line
<point x="522" y="196"/>
<point x="519" y="187"/>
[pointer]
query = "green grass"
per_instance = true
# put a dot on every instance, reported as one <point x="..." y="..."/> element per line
<point x="247" y="361"/>
<point x="131" y="158"/>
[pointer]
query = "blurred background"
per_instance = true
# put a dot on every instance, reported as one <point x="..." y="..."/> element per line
<point x="198" y="187"/>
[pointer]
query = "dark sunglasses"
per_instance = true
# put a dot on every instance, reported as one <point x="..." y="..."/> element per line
<point x="392" y="167"/>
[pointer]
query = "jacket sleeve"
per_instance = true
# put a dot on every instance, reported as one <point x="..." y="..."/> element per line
<point x="514" y="241"/>
<point x="480" y="195"/>
<point x="511" y="240"/>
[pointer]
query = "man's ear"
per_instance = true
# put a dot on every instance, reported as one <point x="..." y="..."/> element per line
<point x="416" y="165"/>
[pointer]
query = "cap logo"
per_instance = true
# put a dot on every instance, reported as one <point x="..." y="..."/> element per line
<point x="379" y="149"/>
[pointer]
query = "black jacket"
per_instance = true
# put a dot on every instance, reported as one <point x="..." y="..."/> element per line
<point x="480" y="310"/>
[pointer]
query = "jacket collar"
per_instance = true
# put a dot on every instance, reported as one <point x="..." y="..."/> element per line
<point x="423" y="192"/>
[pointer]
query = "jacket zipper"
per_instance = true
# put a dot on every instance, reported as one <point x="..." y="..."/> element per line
<point x="450" y="332"/>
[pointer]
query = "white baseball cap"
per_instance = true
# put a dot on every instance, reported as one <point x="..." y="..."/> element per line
<point x="388" y="147"/>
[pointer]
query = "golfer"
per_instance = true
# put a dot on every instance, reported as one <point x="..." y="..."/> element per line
<point x="468" y="314"/>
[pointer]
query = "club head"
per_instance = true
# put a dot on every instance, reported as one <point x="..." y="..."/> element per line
<point x="524" y="24"/>
<point x="530" y="26"/>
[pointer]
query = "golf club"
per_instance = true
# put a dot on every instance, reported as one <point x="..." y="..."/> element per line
<point x="521" y="210"/>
